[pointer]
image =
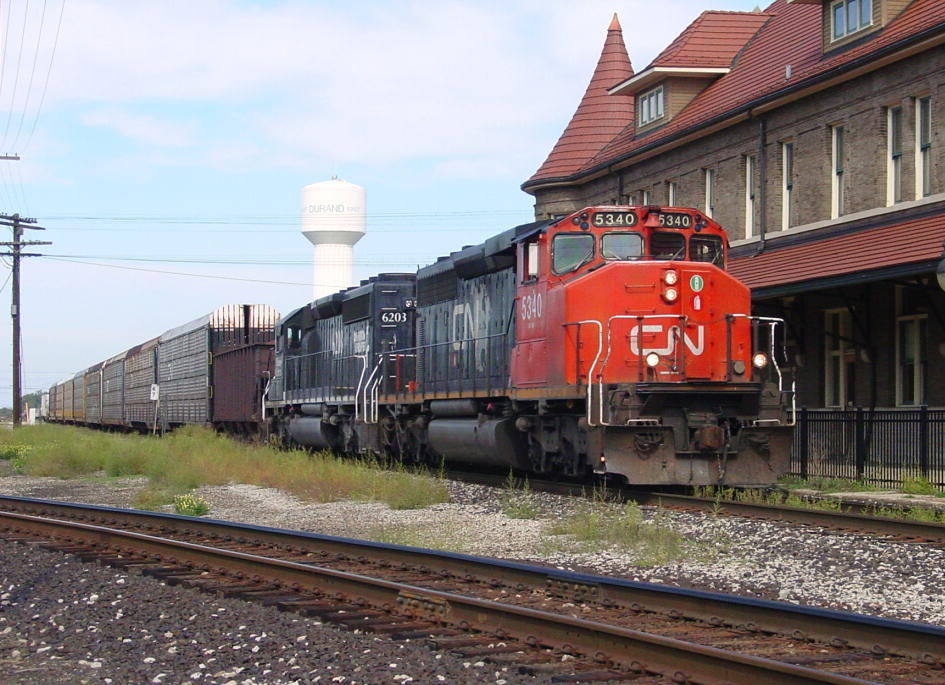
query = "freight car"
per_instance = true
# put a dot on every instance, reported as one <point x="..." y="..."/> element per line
<point x="211" y="371"/>
<point x="609" y="341"/>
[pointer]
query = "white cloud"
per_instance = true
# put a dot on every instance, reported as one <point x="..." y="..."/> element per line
<point x="145" y="129"/>
<point x="449" y="80"/>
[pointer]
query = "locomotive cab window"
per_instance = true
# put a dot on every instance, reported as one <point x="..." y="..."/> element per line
<point x="666" y="245"/>
<point x="530" y="272"/>
<point x="571" y="251"/>
<point x="707" y="248"/>
<point x="621" y="246"/>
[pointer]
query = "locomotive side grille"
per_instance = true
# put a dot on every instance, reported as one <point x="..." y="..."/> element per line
<point x="356" y="308"/>
<point x="437" y="288"/>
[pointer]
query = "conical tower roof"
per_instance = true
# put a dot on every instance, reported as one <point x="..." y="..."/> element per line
<point x="599" y="117"/>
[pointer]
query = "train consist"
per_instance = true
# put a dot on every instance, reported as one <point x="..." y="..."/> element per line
<point x="213" y="370"/>
<point x="610" y="341"/>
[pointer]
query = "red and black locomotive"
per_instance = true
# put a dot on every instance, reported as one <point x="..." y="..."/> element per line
<point x="610" y="341"/>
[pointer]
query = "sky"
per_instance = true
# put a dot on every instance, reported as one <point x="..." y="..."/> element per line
<point x="164" y="145"/>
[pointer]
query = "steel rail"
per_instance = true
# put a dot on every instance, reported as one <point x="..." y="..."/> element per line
<point x="675" y="659"/>
<point x="923" y="642"/>
<point x="858" y="519"/>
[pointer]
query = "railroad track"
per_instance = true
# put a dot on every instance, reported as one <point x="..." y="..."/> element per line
<point x="506" y="612"/>
<point x="853" y="517"/>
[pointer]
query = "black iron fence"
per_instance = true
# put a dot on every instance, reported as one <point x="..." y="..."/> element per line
<point x="885" y="446"/>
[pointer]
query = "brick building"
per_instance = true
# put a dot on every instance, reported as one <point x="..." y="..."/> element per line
<point x="813" y="131"/>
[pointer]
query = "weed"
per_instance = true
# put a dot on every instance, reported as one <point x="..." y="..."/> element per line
<point x="823" y="484"/>
<point x="190" y="505"/>
<point x="193" y="456"/>
<point x="517" y="501"/>
<point x="599" y="524"/>
<point x="915" y="485"/>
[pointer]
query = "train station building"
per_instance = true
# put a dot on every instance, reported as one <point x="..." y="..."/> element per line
<point x="813" y="132"/>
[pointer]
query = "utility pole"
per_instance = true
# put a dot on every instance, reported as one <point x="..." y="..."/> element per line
<point x="18" y="224"/>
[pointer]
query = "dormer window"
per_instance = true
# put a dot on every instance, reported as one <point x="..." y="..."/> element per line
<point x="650" y="106"/>
<point x="850" y="16"/>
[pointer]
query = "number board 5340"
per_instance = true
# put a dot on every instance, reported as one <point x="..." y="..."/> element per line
<point x="675" y="220"/>
<point x="615" y="219"/>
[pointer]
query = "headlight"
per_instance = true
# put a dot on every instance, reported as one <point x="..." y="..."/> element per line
<point x="652" y="359"/>
<point x="671" y="277"/>
<point x="759" y="360"/>
<point x="671" y="294"/>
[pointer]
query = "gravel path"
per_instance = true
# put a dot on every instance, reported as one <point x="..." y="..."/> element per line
<point x="756" y="558"/>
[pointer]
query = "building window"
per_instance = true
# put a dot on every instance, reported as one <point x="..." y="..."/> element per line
<point x="910" y="359"/>
<point x="923" y="143"/>
<point x="837" y="186"/>
<point x="671" y="193"/>
<point x="644" y="197"/>
<point x="894" y="159"/>
<point x="850" y="16"/>
<point x="749" y="195"/>
<point x="709" y="192"/>
<point x="650" y="106"/>
<point x="787" y="185"/>
<point x="839" y="357"/>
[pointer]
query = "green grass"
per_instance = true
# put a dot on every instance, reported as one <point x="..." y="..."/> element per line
<point x="917" y="485"/>
<point x="600" y="523"/>
<point x="191" y="457"/>
<point x="822" y="484"/>
<point x="416" y="536"/>
<point x="517" y="501"/>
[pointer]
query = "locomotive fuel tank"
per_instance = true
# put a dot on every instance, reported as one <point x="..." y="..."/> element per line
<point x="482" y="441"/>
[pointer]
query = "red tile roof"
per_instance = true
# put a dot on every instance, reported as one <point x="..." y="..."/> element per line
<point x="712" y="40"/>
<point x="792" y="37"/>
<point x="599" y="117"/>
<point x="907" y="242"/>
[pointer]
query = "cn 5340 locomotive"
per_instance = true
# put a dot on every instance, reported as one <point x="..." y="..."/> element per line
<point x="610" y="341"/>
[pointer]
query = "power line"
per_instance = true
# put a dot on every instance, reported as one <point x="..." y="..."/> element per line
<point x="52" y="56"/>
<point x="408" y="259"/>
<point x="29" y="88"/>
<point x="16" y="78"/>
<point x="176" y="273"/>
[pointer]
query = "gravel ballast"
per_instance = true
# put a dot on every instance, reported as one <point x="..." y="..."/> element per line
<point x="62" y="620"/>
<point x="803" y="565"/>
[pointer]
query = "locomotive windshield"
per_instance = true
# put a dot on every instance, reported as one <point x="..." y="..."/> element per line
<point x="570" y="251"/>
<point x="707" y="248"/>
<point x="621" y="246"/>
<point x="666" y="245"/>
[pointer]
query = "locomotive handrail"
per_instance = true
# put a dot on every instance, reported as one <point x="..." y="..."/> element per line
<point x="590" y="372"/>
<point x="610" y="346"/>
<point x="357" y="390"/>
<point x="774" y="321"/>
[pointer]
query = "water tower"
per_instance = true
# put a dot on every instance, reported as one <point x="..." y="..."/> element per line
<point x="333" y="219"/>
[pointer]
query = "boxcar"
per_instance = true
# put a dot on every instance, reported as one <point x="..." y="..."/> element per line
<point x="93" y="395"/>
<point x="186" y="356"/>
<point x="139" y="377"/>
<point x="113" y="390"/>
<point x="242" y="367"/>
<point x="68" y="413"/>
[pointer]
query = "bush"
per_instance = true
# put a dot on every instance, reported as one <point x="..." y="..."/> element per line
<point x="191" y="505"/>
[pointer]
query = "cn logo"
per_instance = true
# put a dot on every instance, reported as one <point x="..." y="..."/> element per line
<point x="657" y="331"/>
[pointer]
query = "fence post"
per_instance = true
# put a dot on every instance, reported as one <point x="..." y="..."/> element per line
<point x="805" y="443"/>
<point x="859" y="442"/>
<point x="924" y="428"/>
